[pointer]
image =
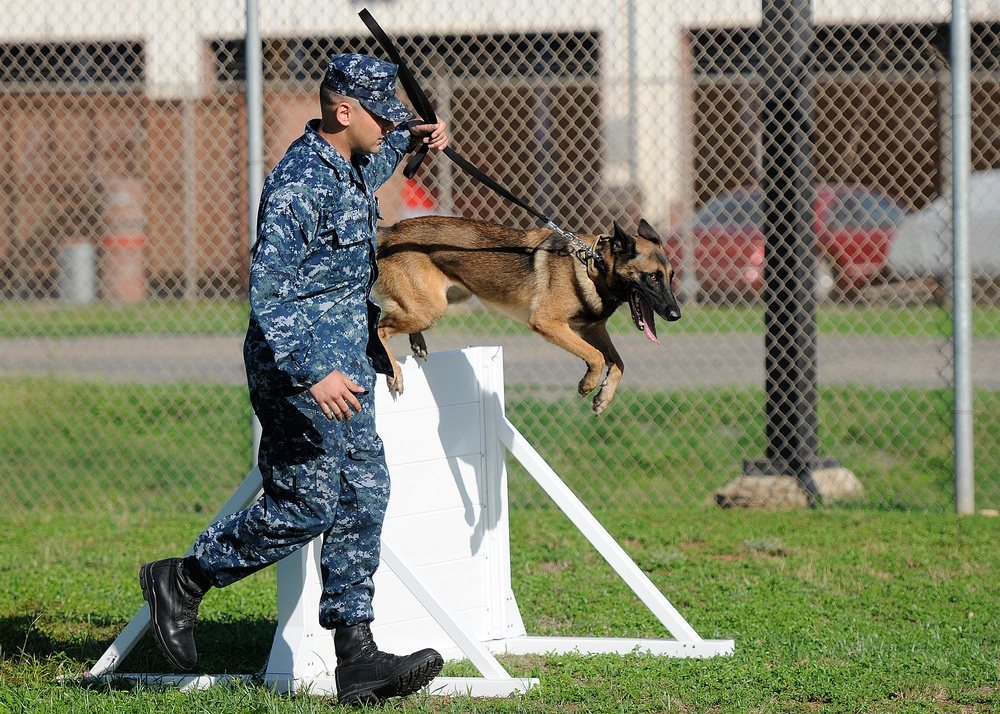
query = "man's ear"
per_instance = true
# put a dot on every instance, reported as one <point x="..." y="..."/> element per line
<point x="336" y="116"/>
<point x="343" y="113"/>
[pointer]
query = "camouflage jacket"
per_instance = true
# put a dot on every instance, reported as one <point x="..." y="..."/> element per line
<point x="313" y="267"/>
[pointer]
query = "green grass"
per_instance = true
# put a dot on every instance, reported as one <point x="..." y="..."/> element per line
<point x="678" y="448"/>
<point x="220" y="316"/>
<point x="104" y="446"/>
<point x="51" y="319"/>
<point x="71" y="444"/>
<point x="833" y="611"/>
<point x="930" y="321"/>
<point x="869" y="607"/>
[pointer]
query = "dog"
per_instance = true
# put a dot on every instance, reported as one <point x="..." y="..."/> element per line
<point x="532" y="276"/>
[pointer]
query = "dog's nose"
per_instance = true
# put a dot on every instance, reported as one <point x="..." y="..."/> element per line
<point x="674" y="313"/>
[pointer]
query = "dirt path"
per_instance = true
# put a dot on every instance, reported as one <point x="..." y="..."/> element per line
<point x="681" y="361"/>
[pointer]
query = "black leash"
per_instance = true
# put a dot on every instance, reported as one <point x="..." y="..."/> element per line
<point x="423" y="106"/>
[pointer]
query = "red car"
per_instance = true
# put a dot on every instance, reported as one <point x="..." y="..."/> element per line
<point x="854" y="227"/>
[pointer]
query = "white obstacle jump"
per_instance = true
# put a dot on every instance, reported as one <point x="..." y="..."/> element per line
<point x="444" y="581"/>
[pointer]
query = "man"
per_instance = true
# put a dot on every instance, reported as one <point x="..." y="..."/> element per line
<point x="311" y="353"/>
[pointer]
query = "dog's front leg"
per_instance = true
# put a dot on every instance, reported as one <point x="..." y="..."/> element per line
<point x="560" y="334"/>
<point x="597" y="335"/>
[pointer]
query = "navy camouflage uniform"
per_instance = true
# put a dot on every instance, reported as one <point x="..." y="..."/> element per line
<point x="311" y="275"/>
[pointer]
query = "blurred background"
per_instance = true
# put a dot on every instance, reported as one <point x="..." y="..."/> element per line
<point x="124" y="234"/>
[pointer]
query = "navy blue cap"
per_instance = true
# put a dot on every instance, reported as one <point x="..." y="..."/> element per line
<point x="369" y="80"/>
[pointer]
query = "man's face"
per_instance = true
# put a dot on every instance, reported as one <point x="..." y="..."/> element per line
<point x="367" y="130"/>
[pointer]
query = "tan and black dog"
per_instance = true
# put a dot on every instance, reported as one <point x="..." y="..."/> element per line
<point x="530" y="276"/>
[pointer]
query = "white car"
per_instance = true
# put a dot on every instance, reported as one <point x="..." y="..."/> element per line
<point x="922" y="246"/>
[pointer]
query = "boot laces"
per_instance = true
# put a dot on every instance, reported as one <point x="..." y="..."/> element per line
<point x="189" y="613"/>
<point x="190" y="602"/>
<point x="367" y="644"/>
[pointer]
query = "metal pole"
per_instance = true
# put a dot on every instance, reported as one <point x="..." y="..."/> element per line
<point x="190" y="230"/>
<point x="255" y="142"/>
<point x="255" y="116"/>
<point x="632" y="30"/>
<point x="787" y="184"/>
<point x="961" y="276"/>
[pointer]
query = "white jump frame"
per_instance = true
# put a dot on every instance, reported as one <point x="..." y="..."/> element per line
<point x="418" y="609"/>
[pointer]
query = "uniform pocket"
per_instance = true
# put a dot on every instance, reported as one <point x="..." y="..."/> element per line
<point x="335" y="266"/>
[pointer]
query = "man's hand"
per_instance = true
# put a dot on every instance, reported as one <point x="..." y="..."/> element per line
<point x="335" y="395"/>
<point x="434" y="136"/>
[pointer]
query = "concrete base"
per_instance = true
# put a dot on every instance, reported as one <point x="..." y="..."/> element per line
<point x="786" y="492"/>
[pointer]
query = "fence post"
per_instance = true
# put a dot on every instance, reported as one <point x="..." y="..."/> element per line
<point x="255" y="150"/>
<point x="961" y="120"/>
<point x="787" y="184"/>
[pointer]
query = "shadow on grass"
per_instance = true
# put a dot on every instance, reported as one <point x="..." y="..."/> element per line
<point x="232" y="647"/>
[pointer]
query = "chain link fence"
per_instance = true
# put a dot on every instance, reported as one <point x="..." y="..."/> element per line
<point x="124" y="236"/>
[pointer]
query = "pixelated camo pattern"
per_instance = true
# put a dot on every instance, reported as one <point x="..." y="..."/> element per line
<point x="320" y="476"/>
<point x="311" y="276"/>
<point x="369" y="80"/>
<point x="314" y="265"/>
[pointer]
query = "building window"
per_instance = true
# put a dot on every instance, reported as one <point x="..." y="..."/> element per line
<point x="301" y="61"/>
<point x="72" y="66"/>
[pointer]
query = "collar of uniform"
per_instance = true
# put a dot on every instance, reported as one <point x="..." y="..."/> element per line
<point x="326" y="151"/>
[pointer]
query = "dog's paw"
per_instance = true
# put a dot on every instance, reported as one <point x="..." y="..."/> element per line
<point x="589" y="383"/>
<point x="605" y="394"/>
<point x="395" y="384"/>
<point x="418" y="345"/>
<point x="600" y="403"/>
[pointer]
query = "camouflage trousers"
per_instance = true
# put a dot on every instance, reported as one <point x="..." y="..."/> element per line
<point x="321" y="477"/>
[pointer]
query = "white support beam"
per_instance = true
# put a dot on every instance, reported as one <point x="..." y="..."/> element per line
<point x="446" y="442"/>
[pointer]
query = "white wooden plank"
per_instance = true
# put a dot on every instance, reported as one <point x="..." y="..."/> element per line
<point x="446" y="378"/>
<point x="431" y="434"/>
<point x="441" y="537"/>
<point x="591" y="528"/>
<point x="458" y="585"/>
<point x="471" y="645"/>
<point x="403" y="637"/>
<point x="433" y="486"/>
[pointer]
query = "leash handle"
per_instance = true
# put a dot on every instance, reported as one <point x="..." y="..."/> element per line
<point x="423" y="106"/>
<point x="410" y="170"/>
<point x="420" y="101"/>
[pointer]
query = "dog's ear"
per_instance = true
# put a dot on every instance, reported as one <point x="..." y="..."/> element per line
<point x="648" y="232"/>
<point x="622" y="244"/>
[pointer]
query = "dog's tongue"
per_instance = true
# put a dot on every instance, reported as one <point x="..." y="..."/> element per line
<point x="642" y="315"/>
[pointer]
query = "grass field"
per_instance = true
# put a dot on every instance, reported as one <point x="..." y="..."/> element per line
<point x="183" y="446"/>
<point x="887" y="605"/>
<point x="832" y="611"/>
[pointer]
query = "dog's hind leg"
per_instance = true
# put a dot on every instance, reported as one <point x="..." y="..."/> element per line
<point x="395" y="381"/>
<point x="418" y="345"/>
<point x="409" y="307"/>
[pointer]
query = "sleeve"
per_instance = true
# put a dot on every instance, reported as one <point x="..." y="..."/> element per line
<point x="287" y="222"/>
<point x="398" y="143"/>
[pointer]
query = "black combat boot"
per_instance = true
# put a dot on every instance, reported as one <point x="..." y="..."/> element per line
<point x="174" y="594"/>
<point x="365" y="675"/>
